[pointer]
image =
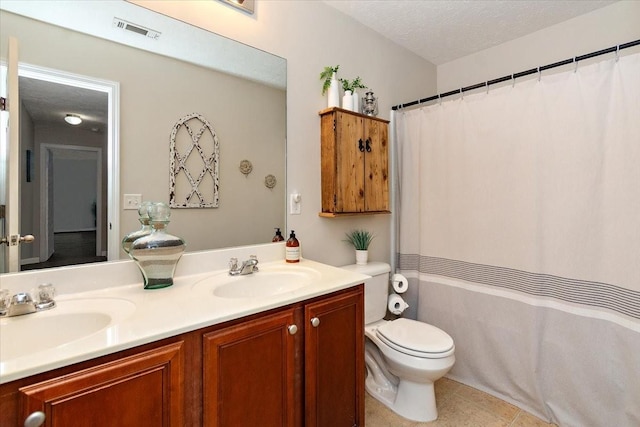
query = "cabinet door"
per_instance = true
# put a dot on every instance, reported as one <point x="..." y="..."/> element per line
<point x="334" y="361"/>
<point x="350" y="152"/>
<point x="376" y="173"/>
<point x="249" y="373"/>
<point x="141" y="390"/>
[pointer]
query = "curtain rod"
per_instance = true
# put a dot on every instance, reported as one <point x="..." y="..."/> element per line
<point x="514" y="76"/>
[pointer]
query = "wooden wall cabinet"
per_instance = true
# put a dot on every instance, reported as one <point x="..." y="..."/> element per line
<point x="299" y="365"/>
<point x="355" y="163"/>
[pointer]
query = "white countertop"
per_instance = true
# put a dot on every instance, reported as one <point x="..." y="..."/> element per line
<point x="144" y="316"/>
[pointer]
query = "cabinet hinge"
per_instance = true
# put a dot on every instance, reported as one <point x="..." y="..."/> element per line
<point x="3" y="104"/>
<point x="335" y="200"/>
<point x="334" y="124"/>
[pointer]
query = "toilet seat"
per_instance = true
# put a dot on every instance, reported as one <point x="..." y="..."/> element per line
<point x="416" y="338"/>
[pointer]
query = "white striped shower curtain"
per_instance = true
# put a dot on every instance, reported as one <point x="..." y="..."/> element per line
<point x="519" y="230"/>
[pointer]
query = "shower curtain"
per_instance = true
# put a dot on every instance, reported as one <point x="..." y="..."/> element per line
<point x="519" y="226"/>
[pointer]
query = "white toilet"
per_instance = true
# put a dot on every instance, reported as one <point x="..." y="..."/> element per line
<point x="404" y="357"/>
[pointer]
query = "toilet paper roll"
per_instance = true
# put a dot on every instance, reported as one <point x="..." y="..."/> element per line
<point x="399" y="283"/>
<point x="396" y="304"/>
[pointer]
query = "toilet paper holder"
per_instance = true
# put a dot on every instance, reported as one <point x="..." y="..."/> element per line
<point x="396" y="304"/>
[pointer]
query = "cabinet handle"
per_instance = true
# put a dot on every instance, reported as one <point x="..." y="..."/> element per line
<point x="292" y="329"/>
<point x="36" y="419"/>
<point x="368" y="145"/>
<point x="361" y="145"/>
<point x="315" y="322"/>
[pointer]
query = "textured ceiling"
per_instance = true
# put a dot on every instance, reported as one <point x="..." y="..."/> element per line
<point x="441" y="31"/>
<point x="48" y="103"/>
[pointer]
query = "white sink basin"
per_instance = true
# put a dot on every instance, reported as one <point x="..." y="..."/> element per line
<point x="69" y="321"/>
<point x="269" y="281"/>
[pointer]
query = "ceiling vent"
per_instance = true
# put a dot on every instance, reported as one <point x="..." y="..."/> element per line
<point x="134" y="28"/>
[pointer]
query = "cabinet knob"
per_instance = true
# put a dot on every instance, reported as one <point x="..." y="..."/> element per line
<point x="315" y="322"/>
<point x="36" y="419"/>
<point x="292" y="329"/>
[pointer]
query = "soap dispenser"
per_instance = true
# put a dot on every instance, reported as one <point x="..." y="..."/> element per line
<point x="292" y="253"/>
<point x="278" y="237"/>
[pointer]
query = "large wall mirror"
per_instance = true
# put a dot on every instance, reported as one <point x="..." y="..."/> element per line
<point x="159" y="70"/>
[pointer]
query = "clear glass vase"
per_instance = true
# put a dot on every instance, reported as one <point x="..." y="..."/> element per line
<point x="143" y="212"/>
<point x="157" y="254"/>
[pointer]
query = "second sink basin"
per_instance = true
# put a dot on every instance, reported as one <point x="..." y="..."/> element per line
<point x="69" y="321"/>
<point x="269" y="281"/>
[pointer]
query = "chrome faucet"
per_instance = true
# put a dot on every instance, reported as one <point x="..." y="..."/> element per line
<point x="22" y="302"/>
<point x="248" y="267"/>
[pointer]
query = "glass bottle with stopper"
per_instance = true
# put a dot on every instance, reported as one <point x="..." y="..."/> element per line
<point x="158" y="253"/>
<point x="143" y="212"/>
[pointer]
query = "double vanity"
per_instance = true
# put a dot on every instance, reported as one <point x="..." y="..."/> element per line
<point x="282" y="346"/>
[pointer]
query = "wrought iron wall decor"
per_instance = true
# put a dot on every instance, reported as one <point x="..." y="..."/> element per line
<point x="194" y="164"/>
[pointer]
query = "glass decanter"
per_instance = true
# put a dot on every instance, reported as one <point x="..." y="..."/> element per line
<point x="157" y="254"/>
<point x="143" y="212"/>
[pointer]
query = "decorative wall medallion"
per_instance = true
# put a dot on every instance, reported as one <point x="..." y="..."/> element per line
<point x="194" y="164"/>
<point x="246" y="167"/>
<point x="270" y="181"/>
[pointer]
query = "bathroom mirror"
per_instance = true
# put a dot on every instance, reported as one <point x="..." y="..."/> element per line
<point x="240" y="90"/>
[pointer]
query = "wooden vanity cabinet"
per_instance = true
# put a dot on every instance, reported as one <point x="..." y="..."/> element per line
<point x="299" y="365"/>
<point x="249" y="373"/>
<point x="355" y="163"/>
<point x="140" y="387"/>
<point x="334" y="361"/>
<point x="303" y="365"/>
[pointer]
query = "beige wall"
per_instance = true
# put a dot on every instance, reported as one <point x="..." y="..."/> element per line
<point x="609" y="26"/>
<point x="312" y="35"/>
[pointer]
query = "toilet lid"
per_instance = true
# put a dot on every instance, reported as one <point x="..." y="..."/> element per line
<point x="415" y="338"/>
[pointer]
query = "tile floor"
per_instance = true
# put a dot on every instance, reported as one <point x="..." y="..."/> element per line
<point x="458" y="406"/>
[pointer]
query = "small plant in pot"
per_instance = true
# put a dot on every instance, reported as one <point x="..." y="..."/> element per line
<point x="352" y="85"/>
<point x="360" y="239"/>
<point x="326" y="75"/>
<point x="350" y="101"/>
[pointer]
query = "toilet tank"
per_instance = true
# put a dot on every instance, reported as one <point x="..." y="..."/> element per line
<point x="376" y="289"/>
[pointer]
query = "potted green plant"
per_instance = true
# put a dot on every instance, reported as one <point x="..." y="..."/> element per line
<point x="352" y="85"/>
<point x="360" y="239"/>
<point x="330" y="84"/>
<point x="350" y="101"/>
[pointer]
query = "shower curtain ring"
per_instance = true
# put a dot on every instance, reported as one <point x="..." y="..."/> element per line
<point x="617" y="53"/>
<point x="539" y="74"/>
<point x="576" y="63"/>
<point x="513" y="81"/>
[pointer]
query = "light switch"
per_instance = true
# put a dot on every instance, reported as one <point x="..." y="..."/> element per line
<point x="132" y="201"/>
<point x="294" y="203"/>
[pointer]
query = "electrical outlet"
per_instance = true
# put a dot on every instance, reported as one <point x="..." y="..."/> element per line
<point x="132" y="201"/>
